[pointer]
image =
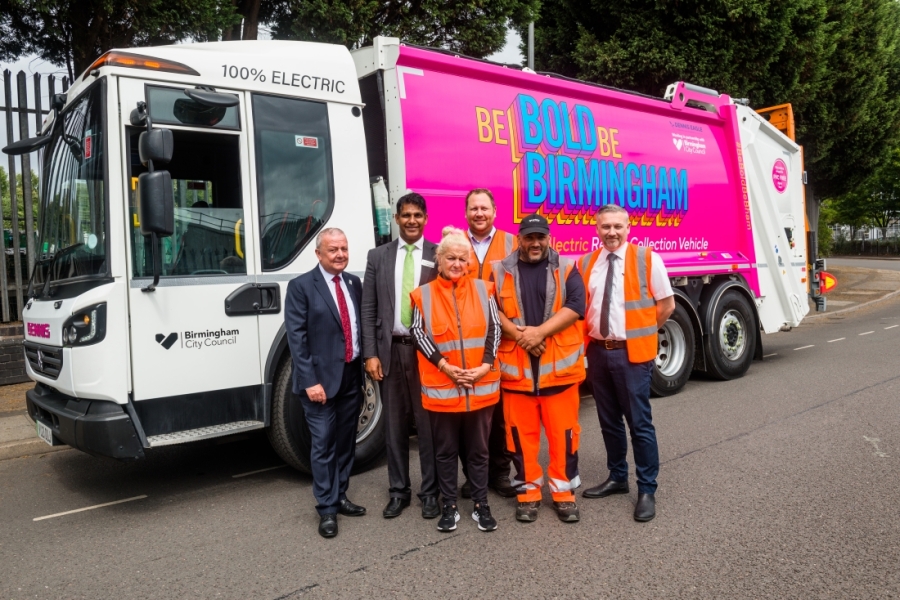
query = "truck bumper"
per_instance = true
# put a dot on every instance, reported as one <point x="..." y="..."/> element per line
<point x="98" y="427"/>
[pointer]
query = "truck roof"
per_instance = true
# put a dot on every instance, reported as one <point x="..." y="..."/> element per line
<point x="305" y="69"/>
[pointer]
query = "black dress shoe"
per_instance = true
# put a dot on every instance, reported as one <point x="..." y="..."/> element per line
<point x="430" y="508"/>
<point x="503" y="487"/>
<point x="607" y="488"/>
<point x="645" y="509"/>
<point x="348" y="509"/>
<point x="395" y="507"/>
<point x="466" y="490"/>
<point x="328" y="526"/>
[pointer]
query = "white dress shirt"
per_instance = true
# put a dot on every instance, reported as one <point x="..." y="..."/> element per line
<point x="659" y="287"/>
<point x="354" y="327"/>
<point x="481" y="247"/>
<point x="399" y="328"/>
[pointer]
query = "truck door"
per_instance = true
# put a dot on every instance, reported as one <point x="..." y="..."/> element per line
<point x="195" y="339"/>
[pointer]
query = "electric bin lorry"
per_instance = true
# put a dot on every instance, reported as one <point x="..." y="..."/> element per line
<point x="183" y="187"/>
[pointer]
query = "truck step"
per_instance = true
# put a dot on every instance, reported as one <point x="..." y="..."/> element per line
<point x="203" y="433"/>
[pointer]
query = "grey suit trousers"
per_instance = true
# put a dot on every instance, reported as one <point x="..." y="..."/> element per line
<point x="401" y="397"/>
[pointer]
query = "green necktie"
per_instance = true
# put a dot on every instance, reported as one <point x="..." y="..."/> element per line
<point x="407" y="287"/>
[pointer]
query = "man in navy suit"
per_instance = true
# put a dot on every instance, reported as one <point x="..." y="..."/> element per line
<point x="321" y="314"/>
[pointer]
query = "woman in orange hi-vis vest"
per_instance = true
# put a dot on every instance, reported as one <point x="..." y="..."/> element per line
<point x="457" y="331"/>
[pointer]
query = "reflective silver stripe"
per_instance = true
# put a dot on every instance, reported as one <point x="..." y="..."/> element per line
<point x="442" y="394"/>
<point x="487" y="388"/>
<point x="584" y="262"/>
<point x="561" y="364"/>
<point x="426" y="307"/>
<point x="468" y="344"/>
<point x="642" y="303"/>
<point x="528" y="374"/>
<point x="509" y="369"/>
<point x="508" y="244"/>
<point x="481" y="288"/>
<point x="558" y="485"/>
<point x="528" y="485"/>
<point x="642" y="271"/>
<point x="643" y="332"/>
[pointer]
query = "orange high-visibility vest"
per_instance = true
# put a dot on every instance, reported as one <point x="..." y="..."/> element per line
<point x="456" y="315"/>
<point x="502" y="244"/>
<point x="563" y="359"/>
<point x="640" y="306"/>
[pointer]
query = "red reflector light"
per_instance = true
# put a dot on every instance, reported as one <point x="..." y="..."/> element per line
<point x="827" y="282"/>
<point x="114" y="58"/>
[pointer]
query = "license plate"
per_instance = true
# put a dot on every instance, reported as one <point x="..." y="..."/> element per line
<point x="44" y="432"/>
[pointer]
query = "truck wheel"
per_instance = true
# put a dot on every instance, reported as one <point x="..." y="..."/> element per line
<point x="731" y="343"/>
<point x="293" y="442"/>
<point x="675" y="358"/>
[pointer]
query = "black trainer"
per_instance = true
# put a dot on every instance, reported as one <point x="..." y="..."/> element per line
<point x="449" y="518"/>
<point x="482" y="516"/>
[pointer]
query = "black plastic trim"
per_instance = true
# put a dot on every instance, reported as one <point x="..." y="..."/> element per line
<point x="97" y="427"/>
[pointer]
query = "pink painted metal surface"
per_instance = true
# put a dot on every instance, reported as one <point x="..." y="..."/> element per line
<point x="565" y="148"/>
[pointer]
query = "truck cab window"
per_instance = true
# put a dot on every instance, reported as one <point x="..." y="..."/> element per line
<point x="294" y="175"/>
<point x="209" y="215"/>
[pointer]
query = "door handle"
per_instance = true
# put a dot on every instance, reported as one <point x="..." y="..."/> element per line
<point x="254" y="299"/>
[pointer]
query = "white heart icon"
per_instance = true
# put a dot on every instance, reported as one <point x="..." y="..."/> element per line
<point x="677" y="143"/>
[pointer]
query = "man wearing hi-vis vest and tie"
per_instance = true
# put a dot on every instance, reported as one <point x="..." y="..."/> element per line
<point x="541" y="299"/>
<point x="629" y="298"/>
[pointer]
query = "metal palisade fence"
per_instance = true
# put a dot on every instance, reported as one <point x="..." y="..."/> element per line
<point x="19" y="114"/>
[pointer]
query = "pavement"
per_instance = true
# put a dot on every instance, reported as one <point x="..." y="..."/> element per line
<point x="782" y="484"/>
<point x="861" y="281"/>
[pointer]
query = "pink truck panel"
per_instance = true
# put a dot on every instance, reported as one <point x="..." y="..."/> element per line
<point x="564" y="149"/>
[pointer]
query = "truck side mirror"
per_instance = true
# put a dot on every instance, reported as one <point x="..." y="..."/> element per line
<point x="27" y="145"/>
<point x="156" y="145"/>
<point x="157" y="204"/>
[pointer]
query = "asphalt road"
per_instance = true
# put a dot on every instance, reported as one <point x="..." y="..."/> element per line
<point x="783" y="484"/>
<point x="890" y="264"/>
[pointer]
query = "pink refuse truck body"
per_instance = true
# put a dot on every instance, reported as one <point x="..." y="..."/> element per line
<point x="708" y="183"/>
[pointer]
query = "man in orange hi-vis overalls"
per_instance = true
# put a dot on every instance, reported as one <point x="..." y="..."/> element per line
<point x="541" y="298"/>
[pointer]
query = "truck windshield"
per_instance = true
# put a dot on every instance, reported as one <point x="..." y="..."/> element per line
<point x="73" y="204"/>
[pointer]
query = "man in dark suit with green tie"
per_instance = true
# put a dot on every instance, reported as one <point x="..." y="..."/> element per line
<point x="393" y="271"/>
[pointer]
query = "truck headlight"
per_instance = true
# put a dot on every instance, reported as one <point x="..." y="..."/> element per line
<point x="85" y="327"/>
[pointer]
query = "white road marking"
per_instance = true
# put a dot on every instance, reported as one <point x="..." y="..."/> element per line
<point x="78" y="510"/>
<point x="258" y="471"/>
<point x="804" y="347"/>
<point x="837" y="340"/>
<point x="892" y="326"/>
<point x="874" y="442"/>
<point x="867" y="333"/>
<point x="768" y="355"/>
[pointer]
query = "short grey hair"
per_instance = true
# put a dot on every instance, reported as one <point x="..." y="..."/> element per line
<point x="328" y="232"/>
<point x="611" y="208"/>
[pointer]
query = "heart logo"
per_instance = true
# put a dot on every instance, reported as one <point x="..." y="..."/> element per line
<point x="677" y="143"/>
<point x="166" y="341"/>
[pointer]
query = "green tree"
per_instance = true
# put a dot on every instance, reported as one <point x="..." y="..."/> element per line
<point x="474" y="27"/>
<point x="20" y="194"/>
<point x="836" y="61"/>
<point x="876" y="202"/>
<point x="73" y="33"/>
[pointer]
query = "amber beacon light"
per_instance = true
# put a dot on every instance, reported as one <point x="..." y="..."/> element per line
<point x="114" y="58"/>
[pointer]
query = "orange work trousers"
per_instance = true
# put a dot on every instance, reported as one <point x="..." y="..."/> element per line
<point x="559" y="415"/>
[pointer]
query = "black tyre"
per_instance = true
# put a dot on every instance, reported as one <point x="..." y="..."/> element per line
<point x="289" y="433"/>
<point x="731" y="342"/>
<point x="675" y="358"/>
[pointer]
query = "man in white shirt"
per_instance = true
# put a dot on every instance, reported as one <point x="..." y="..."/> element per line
<point x="629" y="298"/>
<point x="393" y="271"/>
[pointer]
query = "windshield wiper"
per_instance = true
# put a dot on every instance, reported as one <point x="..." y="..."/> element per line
<point x="45" y="290"/>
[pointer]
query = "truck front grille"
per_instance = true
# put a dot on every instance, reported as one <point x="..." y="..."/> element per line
<point x="46" y="360"/>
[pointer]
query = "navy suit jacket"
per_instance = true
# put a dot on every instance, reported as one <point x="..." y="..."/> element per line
<point x="314" y="331"/>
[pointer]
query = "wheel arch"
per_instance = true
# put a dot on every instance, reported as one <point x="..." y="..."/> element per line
<point x="682" y="298"/>
<point x="277" y="351"/>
